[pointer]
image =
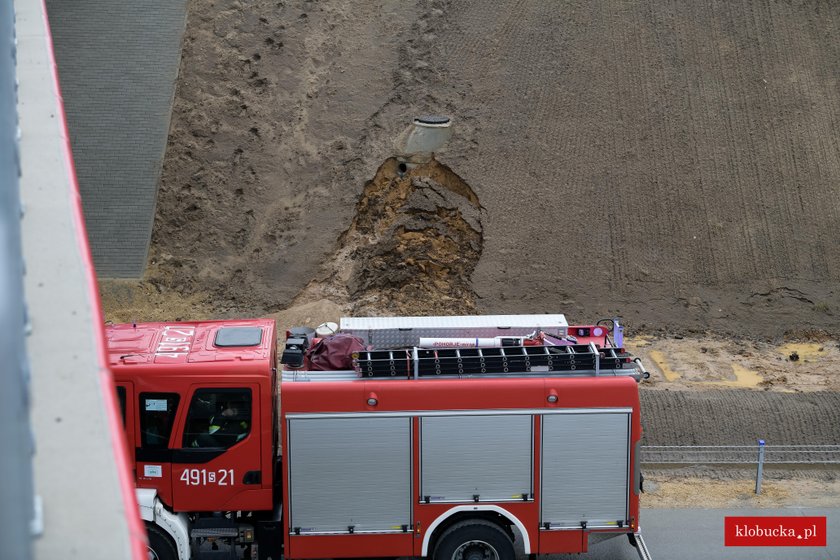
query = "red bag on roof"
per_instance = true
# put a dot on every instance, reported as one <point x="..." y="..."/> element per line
<point x="334" y="352"/>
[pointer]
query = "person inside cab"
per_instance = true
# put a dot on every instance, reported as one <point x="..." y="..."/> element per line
<point x="227" y="427"/>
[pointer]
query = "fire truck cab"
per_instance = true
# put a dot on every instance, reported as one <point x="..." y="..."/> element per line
<point x="453" y="449"/>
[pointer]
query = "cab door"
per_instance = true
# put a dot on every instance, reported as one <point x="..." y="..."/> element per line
<point x="216" y="464"/>
<point x="157" y="412"/>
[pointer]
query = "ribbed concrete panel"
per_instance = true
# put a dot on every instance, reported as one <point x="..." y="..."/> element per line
<point x="118" y="62"/>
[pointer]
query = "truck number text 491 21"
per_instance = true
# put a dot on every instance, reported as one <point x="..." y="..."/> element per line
<point x="203" y="477"/>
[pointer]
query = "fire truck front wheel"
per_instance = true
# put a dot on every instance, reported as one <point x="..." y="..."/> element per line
<point x="161" y="546"/>
<point x="474" y="539"/>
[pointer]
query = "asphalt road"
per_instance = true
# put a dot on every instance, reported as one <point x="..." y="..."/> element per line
<point x="697" y="534"/>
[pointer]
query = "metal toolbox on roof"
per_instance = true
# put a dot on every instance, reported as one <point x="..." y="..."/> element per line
<point x="401" y="332"/>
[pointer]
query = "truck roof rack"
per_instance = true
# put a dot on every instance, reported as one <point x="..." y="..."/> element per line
<point x="473" y="347"/>
<point x="576" y="360"/>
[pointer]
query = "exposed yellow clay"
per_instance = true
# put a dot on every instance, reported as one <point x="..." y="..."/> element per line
<point x="743" y="378"/>
<point x="637" y="341"/>
<point x="659" y="359"/>
<point x="806" y="350"/>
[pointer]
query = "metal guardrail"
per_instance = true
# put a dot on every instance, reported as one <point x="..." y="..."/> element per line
<point x="756" y="455"/>
<point x="741" y="454"/>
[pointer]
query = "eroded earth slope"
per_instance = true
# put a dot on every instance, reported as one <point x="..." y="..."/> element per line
<point x="674" y="163"/>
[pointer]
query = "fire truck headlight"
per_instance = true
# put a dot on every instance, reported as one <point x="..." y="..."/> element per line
<point x="246" y="535"/>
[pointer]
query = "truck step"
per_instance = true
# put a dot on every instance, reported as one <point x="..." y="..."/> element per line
<point x="641" y="547"/>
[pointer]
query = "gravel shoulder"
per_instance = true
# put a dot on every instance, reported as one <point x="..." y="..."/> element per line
<point x="705" y="487"/>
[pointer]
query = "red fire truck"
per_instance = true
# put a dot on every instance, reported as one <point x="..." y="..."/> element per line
<point x="446" y="437"/>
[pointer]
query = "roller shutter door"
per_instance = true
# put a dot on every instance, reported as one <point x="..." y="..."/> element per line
<point x="349" y="472"/>
<point x="465" y="456"/>
<point x="585" y="468"/>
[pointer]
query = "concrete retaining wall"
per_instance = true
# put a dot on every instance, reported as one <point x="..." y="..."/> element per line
<point x="118" y="62"/>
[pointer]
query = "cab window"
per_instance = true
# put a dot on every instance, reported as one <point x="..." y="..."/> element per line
<point x="157" y="414"/>
<point x="218" y="418"/>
